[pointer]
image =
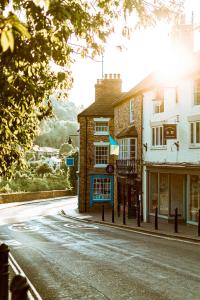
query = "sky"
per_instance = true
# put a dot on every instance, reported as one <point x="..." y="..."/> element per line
<point x="140" y="55"/>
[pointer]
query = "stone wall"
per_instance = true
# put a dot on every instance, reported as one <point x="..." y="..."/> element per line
<point x="28" y="196"/>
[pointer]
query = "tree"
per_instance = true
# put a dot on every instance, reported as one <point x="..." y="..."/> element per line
<point x="50" y="32"/>
<point x="43" y="169"/>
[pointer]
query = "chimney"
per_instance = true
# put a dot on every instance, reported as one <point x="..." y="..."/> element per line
<point x="182" y="36"/>
<point x="109" y="87"/>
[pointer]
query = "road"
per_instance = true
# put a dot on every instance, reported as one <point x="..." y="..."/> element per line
<point x="68" y="259"/>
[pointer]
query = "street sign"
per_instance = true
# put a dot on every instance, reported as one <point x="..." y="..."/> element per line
<point x="170" y="131"/>
<point x="110" y="169"/>
<point x="69" y="162"/>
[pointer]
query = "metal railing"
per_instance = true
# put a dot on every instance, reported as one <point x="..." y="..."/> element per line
<point x="20" y="287"/>
<point x="127" y="166"/>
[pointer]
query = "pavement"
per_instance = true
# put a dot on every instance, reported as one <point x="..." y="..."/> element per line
<point x="186" y="232"/>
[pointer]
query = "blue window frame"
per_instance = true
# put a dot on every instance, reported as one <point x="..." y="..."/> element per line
<point x="101" y="189"/>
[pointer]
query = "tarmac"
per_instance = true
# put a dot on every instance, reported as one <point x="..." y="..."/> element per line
<point x="186" y="232"/>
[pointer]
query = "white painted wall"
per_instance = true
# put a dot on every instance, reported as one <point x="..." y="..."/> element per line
<point x="185" y="109"/>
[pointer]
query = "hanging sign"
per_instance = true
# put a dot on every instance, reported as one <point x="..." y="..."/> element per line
<point x="69" y="162"/>
<point x="170" y="131"/>
<point x="110" y="169"/>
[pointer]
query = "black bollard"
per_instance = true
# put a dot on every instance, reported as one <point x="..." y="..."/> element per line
<point x="138" y="214"/>
<point x="199" y="224"/>
<point x="19" y="288"/>
<point x="124" y="213"/>
<point x="156" y="218"/>
<point x="103" y="219"/>
<point x="176" y="220"/>
<point x="4" y="252"/>
<point x="113" y="214"/>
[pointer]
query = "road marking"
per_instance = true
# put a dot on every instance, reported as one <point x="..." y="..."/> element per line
<point x="18" y="270"/>
<point x="23" y="227"/>
<point x="81" y="226"/>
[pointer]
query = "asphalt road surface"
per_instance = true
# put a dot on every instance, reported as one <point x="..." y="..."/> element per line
<point x="68" y="259"/>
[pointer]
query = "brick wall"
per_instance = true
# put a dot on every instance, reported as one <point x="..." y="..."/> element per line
<point x="122" y="121"/>
<point x="87" y="159"/>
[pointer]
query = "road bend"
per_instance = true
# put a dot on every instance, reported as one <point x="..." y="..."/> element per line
<point x="69" y="259"/>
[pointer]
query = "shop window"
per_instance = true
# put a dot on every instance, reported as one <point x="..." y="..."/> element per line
<point x="194" y="197"/>
<point x="158" y="136"/>
<point x="101" y="189"/>
<point x="197" y="92"/>
<point x="164" y="194"/>
<point x="177" y="193"/>
<point x="195" y="133"/>
<point x="153" y="191"/>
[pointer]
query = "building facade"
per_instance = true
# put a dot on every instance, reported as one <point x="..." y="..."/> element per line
<point x="128" y="167"/>
<point x="96" y="181"/>
<point x="171" y="177"/>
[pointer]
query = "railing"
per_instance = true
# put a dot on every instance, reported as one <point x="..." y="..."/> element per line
<point x="127" y="166"/>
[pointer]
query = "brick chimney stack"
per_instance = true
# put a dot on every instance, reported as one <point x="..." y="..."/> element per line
<point x="108" y="88"/>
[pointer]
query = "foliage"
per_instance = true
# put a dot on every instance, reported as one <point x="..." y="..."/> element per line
<point x="55" y="131"/>
<point x="43" y="169"/>
<point x="49" y="32"/>
<point x="72" y="172"/>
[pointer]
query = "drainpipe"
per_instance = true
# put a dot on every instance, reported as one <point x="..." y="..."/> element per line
<point x="86" y="136"/>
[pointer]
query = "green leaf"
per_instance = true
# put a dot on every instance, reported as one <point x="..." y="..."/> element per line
<point x="10" y="38"/>
<point x="21" y="28"/>
<point x="4" y="41"/>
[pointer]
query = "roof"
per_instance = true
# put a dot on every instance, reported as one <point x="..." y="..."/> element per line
<point x="101" y="107"/>
<point x="128" y="132"/>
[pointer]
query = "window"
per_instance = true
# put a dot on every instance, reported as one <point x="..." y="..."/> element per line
<point x="101" y="155"/>
<point x="158" y="136"/>
<point x="101" y="126"/>
<point x="197" y="92"/>
<point x="195" y="133"/>
<point x="158" y="106"/>
<point x="131" y="111"/>
<point x="128" y="148"/>
<point x="101" y="189"/>
<point x="194" y="198"/>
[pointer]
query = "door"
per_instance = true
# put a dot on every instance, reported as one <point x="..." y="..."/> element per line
<point x="177" y="194"/>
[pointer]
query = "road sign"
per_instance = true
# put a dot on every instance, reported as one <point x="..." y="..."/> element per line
<point x="69" y="161"/>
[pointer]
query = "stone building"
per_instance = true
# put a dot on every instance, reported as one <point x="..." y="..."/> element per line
<point x="96" y="182"/>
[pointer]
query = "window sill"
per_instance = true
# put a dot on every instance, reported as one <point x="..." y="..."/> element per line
<point x="197" y="146"/>
<point x="158" y="148"/>
<point x="101" y="133"/>
<point x="100" y="166"/>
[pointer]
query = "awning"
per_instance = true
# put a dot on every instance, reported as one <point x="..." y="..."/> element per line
<point x="128" y="132"/>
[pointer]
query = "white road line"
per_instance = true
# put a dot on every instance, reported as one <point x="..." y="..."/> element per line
<point x="17" y="270"/>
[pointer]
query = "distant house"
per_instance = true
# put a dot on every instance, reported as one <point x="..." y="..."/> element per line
<point x="44" y="152"/>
